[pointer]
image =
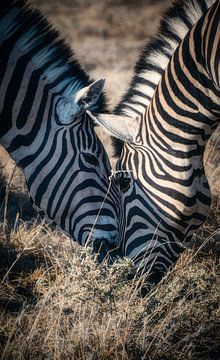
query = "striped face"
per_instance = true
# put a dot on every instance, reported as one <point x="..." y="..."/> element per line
<point x="44" y="99"/>
<point x="76" y="190"/>
<point x="68" y="174"/>
<point x="153" y="230"/>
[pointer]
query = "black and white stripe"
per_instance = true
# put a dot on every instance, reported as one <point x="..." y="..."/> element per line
<point x="46" y="130"/>
<point x="168" y="197"/>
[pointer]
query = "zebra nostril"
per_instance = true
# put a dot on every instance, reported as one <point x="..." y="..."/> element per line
<point x="124" y="181"/>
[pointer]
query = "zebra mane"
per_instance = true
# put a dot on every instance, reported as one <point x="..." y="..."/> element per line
<point x="30" y="31"/>
<point x="174" y="25"/>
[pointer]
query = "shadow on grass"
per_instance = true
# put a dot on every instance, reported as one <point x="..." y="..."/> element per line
<point x="16" y="276"/>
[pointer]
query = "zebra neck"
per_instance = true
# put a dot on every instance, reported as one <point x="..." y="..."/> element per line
<point x="154" y="58"/>
<point x="185" y="108"/>
<point x="27" y="121"/>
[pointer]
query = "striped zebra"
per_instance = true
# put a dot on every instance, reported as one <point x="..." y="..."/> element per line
<point x="44" y="96"/>
<point x="165" y="194"/>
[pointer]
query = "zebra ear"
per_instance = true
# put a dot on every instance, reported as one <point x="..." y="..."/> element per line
<point x="122" y="127"/>
<point x="84" y="99"/>
<point x="89" y="95"/>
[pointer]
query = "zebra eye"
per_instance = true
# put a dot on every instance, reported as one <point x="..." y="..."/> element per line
<point x="91" y="159"/>
<point x="124" y="182"/>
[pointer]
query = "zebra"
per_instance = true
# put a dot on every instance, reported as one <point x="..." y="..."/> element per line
<point x="165" y="194"/>
<point x="44" y="96"/>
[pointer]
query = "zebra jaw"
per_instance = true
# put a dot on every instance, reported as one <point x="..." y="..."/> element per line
<point x="84" y="99"/>
<point x="120" y="126"/>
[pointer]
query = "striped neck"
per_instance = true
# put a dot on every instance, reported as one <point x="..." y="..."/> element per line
<point x="185" y="108"/>
<point x="153" y="60"/>
<point x="37" y="68"/>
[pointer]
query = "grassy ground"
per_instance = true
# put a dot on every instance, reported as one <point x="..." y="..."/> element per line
<point x="55" y="301"/>
<point x="58" y="303"/>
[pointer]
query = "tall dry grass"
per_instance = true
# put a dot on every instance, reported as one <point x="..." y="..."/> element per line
<point x="58" y="303"/>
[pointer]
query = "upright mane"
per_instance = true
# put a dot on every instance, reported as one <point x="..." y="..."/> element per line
<point x="27" y="30"/>
<point x="174" y="25"/>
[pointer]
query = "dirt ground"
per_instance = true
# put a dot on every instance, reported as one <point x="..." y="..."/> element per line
<point x="106" y="37"/>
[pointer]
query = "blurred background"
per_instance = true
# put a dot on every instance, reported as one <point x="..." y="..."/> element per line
<point x="106" y="37"/>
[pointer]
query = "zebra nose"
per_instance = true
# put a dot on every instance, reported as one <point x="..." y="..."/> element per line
<point x="105" y="250"/>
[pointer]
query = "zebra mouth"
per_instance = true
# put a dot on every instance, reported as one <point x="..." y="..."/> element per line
<point x="105" y="250"/>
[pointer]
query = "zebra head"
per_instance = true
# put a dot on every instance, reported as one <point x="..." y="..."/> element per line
<point x="148" y="238"/>
<point x="89" y="203"/>
<point x="44" y="96"/>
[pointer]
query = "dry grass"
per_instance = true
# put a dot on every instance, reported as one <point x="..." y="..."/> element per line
<point x="58" y="303"/>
